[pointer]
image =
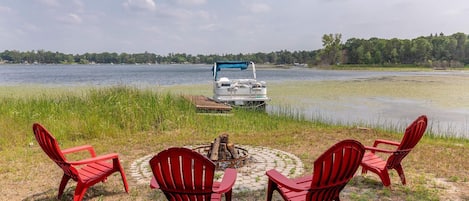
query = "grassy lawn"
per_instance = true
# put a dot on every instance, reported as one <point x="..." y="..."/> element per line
<point x="136" y="123"/>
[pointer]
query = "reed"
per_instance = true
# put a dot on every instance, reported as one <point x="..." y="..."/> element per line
<point x="112" y="112"/>
<point x="119" y="112"/>
<point x="122" y="111"/>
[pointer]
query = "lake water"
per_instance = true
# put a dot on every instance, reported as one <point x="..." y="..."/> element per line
<point x="385" y="110"/>
<point x="142" y="75"/>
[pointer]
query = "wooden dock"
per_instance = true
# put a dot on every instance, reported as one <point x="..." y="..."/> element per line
<point x="204" y="104"/>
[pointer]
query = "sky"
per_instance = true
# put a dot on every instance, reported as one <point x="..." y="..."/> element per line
<point x="217" y="26"/>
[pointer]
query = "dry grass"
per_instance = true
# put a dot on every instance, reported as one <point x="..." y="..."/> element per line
<point x="31" y="176"/>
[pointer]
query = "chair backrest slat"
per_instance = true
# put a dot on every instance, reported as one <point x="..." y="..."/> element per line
<point x="183" y="174"/>
<point x="412" y="136"/>
<point x="51" y="147"/>
<point x="334" y="168"/>
<point x="48" y="143"/>
<point x="175" y="164"/>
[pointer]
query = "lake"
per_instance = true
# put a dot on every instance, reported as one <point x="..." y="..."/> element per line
<point x="373" y="110"/>
<point x="143" y="75"/>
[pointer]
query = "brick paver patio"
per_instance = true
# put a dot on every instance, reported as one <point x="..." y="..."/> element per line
<point x="250" y="177"/>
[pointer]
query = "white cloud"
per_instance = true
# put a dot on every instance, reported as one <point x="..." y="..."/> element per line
<point x="208" y="27"/>
<point x="191" y="2"/>
<point x="71" y="18"/>
<point x="75" y="18"/>
<point x="258" y="7"/>
<point x="203" y="15"/>
<point x="51" y="3"/>
<point x="203" y="26"/>
<point x="79" y="5"/>
<point x="176" y="13"/>
<point x="153" y="29"/>
<point x="148" y="5"/>
<point x="4" y="9"/>
<point x="31" y="28"/>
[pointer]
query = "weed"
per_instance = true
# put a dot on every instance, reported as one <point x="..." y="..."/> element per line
<point x="218" y="175"/>
<point x="453" y="179"/>
<point x="292" y="171"/>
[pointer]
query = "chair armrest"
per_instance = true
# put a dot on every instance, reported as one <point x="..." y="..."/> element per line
<point x="388" y="142"/>
<point x="278" y="178"/>
<point x="95" y="159"/>
<point x="375" y="149"/>
<point x="227" y="182"/>
<point x="153" y="183"/>
<point x="80" y="148"/>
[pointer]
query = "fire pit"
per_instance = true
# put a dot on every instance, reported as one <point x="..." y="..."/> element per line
<point x="251" y="177"/>
<point x="224" y="153"/>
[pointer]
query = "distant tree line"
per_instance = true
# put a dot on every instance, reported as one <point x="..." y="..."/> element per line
<point x="48" y="57"/>
<point x="436" y="50"/>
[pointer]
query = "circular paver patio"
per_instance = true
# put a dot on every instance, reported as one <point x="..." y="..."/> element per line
<point x="250" y="177"/>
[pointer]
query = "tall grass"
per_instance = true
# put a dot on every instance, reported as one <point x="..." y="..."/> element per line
<point x="119" y="112"/>
<point x="110" y="112"/>
<point x="123" y="111"/>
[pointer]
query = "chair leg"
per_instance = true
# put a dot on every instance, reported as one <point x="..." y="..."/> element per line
<point x="124" y="180"/>
<point x="271" y="186"/>
<point x="400" y="171"/>
<point x="121" y="170"/>
<point x="63" y="183"/>
<point x="384" y="175"/>
<point x="228" y="195"/>
<point x="80" y="192"/>
<point x="364" y="170"/>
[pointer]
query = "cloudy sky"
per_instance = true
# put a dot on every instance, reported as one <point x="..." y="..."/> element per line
<point x="217" y="26"/>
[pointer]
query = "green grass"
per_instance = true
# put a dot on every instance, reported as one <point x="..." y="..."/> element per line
<point x="387" y="67"/>
<point x="114" y="112"/>
<point x="136" y="122"/>
<point x="117" y="112"/>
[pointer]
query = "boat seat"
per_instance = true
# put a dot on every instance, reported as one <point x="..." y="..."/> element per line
<point x="224" y="79"/>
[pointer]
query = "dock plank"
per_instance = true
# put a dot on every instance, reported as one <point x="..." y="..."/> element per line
<point x="203" y="103"/>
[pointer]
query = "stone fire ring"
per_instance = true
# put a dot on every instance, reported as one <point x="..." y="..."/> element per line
<point x="250" y="177"/>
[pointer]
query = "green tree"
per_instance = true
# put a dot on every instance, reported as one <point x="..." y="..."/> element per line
<point x="460" y="50"/>
<point x="422" y="49"/>
<point x="332" y="51"/>
<point x="351" y="50"/>
<point x="405" y="52"/>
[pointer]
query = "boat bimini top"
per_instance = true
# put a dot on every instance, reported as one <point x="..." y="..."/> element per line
<point x="242" y="65"/>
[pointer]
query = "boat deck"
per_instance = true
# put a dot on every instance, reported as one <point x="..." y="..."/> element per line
<point x="204" y="104"/>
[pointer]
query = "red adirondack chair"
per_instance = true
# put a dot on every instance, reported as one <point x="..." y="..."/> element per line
<point x="183" y="174"/>
<point x="371" y="161"/>
<point x="332" y="171"/>
<point x="86" y="172"/>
